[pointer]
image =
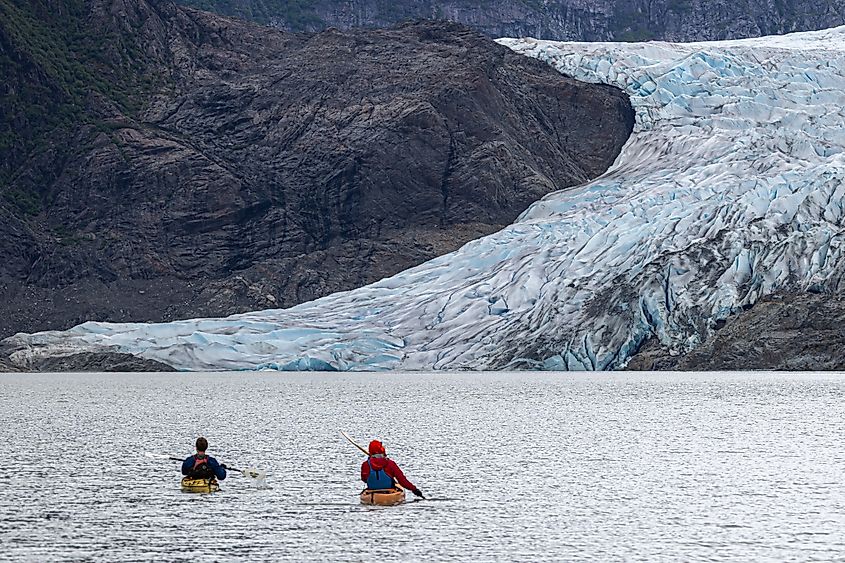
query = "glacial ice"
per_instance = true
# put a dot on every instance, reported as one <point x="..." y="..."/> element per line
<point x="730" y="188"/>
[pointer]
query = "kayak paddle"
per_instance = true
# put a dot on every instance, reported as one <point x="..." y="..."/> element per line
<point x="354" y="444"/>
<point x="249" y="472"/>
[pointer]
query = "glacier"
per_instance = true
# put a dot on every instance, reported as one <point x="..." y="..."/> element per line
<point x="729" y="189"/>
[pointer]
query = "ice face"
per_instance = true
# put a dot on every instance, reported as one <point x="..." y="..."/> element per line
<point x="730" y="188"/>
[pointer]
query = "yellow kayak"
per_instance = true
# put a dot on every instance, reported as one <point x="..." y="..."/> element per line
<point x="199" y="485"/>
<point x="383" y="497"/>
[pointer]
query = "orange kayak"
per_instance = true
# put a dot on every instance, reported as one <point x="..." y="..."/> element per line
<point x="383" y="497"/>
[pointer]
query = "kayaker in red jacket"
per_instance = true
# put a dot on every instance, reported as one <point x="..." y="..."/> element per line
<point x="379" y="472"/>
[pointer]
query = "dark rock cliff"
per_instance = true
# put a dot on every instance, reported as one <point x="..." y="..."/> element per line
<point x="784" y="332"/>
<point x="569" y="20"/>
<point x="196" y="165"/>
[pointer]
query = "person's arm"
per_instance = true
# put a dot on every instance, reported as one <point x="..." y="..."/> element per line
<point x="365" y="471"/>
<point x="187" y="465"/>
<point x="393" y="470"/>
<point x="219" y="472"/>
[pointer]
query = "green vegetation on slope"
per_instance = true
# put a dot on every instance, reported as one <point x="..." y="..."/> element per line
<point x="53" y="57"/>
<point x="78" y="55"/>
<point x="626" y="20"/>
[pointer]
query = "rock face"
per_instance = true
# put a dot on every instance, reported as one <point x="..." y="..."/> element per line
<point x="88" y="362"/>
<point x="788" y="332"/>
<point x="568" y="20"/>
<point x="730" y="190"/>
<point x="230" y="167"/>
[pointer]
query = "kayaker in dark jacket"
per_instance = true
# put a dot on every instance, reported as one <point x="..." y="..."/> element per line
<point x="202" y="466"/>
<point x="379" y="472"/>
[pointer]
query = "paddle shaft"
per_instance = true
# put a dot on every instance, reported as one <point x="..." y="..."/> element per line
<point x="354" y="444"/>
<point x="226" y="467"/>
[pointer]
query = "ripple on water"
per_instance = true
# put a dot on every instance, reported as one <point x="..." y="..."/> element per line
<point x="518" y="466"/>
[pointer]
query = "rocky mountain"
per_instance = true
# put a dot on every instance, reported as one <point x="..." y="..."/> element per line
<point x="715" y="239"/>
<point x="803" y="331"/>
<point x="160" y="162"/>
<point x="569" y="20"/>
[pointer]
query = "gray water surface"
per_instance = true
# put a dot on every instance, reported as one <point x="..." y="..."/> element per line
<point x="603" y="467"/>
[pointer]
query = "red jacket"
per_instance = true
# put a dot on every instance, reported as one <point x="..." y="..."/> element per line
<point x="389" y="466"/>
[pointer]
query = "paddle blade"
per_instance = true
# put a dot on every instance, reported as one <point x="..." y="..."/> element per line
<point x="254" y="474"/>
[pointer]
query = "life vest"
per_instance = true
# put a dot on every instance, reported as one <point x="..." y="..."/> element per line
<point x="379" y="479"/>
<point x="201" y="470"/>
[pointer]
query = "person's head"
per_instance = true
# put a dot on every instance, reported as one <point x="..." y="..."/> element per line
<point x="202" y="445"/>
<point x="376" y="449"/>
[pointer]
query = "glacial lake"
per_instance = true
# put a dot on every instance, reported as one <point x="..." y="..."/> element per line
<point x="525" y="466"/>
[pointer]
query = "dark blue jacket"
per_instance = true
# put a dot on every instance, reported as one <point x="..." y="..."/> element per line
<point x="188" y="465"/>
